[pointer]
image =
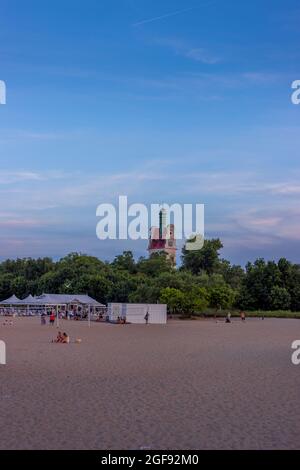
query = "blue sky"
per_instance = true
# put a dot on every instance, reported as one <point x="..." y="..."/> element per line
<point x="164" y="101"/>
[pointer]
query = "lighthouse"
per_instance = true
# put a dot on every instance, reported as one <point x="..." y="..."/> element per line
<point x="162" y="238"/>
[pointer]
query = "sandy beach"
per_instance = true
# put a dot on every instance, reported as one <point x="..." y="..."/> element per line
<point x="186" y="385"/>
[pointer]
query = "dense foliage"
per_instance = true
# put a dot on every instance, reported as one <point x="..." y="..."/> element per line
<point x="204" y="280"/>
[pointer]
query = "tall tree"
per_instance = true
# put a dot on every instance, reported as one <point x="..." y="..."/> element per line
<point x="204" y="260"/>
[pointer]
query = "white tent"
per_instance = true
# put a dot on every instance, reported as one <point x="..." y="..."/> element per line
<point x="136" y="313"/>
<point x="66" y="299"/>
<point x="29" y="299"/>
<point x="65" y="302"/>
<point x="53" y="300"/>
<point x="13" y="300"/>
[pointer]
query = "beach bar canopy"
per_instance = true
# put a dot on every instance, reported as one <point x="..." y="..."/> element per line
<point x="30" y="298"/>
<point x="65" y="299"/>
<point x="13" y="300"/>
<point x="52" y="299"/>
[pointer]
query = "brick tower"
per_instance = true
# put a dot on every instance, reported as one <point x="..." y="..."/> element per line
<point x="162" y="238"/>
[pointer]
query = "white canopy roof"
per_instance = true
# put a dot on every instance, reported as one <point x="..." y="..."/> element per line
<point x="11" y="301"/>
<point x="53" y="299"/>
<point x="28" y="299"/>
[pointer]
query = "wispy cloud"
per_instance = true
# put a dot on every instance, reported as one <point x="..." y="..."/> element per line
<point x="11" y="135"/>
<point x="58" y="189"/>
<point x="184" y="49"/>
<point x="47" y="203"/>
<point x="201" y="55"/>
<point x="10" y="177"/>
<point x="282" y="223"/>
<point x="21" y="222"/>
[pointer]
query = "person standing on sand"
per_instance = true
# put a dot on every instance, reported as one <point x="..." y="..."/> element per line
<point x="243" y="316"/>
<point x="43" y="319"/>
<point x="228" y="318"/>
<point x="147" y="317"/>
<point x="52" y="318"/>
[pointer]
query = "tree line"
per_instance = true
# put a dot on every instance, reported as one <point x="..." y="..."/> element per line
<point x="203" y="281"/>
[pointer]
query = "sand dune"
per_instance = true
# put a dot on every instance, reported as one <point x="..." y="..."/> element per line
<point x="187" y="385"/>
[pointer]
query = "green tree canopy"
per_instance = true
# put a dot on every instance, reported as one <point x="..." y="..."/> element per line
<point x="204" y="260"/>
<point x="203" y="280"/>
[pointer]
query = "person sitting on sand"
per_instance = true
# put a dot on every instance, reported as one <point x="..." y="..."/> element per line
<point x="65" y="338"/>
<point x="59" y="338"/>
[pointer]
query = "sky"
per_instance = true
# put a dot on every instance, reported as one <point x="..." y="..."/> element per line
<point x="163" y="101"/>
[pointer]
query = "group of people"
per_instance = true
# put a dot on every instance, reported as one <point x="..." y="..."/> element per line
<point x="68" y="315"/>
<point x="51" y="318"/>
<point x="228" y="317"/>
<point x="7" y="323"/>
<point x="63" y="338"/>
<point x="122" y="320"/>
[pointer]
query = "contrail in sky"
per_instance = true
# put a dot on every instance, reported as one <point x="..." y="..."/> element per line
<point x="167" y="15"/>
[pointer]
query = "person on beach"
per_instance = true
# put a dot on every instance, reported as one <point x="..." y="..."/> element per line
<point x="52" y="318"/>
<point x="59" y="338"/>
<point x="243" y="316"/>
<point x="228" y="318"/>
<point x="147" y="318"/>
<point x="65" y="338"/>
<point x="43" y="319"/>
